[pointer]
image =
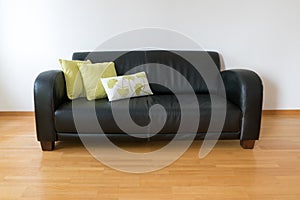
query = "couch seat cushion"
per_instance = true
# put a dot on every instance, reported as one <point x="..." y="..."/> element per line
<point x="139" y="111"/>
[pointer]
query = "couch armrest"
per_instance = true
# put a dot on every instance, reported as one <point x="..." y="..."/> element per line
<point x="49" y="93"/>
<point x="244" y="88"/>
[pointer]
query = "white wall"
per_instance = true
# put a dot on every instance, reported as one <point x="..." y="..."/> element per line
<point x="263" y="35"/>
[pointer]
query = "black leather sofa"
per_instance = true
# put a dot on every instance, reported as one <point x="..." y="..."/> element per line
<point x="243" y="88"/>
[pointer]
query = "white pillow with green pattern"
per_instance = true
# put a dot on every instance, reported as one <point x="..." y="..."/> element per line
<point x="122" y="87"/>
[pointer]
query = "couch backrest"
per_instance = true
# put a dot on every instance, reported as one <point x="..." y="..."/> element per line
<point x="151" y="61"/>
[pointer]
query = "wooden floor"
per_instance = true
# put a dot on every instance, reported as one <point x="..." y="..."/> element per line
<point x="270" y="171"/>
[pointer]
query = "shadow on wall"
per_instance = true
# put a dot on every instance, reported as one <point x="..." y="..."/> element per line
<point x="270" y="96"/>
<point x="270" y="93"/>
<point x="222" y="63"/>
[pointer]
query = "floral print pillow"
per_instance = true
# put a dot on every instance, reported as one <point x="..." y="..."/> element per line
<point x="122" y="87"/>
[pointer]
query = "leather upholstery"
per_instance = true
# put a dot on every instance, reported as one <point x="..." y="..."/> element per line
<point x="139" y="111"/>
<point x="117" y="137"/>
<point x="244" y="91"/>
<point x="150" y="61"/>
<point x="244" y="88"/>
<point x="49" y="93"/>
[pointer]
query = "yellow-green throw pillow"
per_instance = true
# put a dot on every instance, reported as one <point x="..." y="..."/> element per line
<point x="91" y="76"/>
<point x="73" y="78"/>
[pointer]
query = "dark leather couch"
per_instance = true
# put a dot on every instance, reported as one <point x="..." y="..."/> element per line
<point x="243" y="91"/>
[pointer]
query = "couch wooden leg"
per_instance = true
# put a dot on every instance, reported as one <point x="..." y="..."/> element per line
<point x="247" y="144"/>
<point x="47" y="145"/>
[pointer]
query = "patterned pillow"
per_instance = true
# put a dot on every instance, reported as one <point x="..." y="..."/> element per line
<point x="122" y="87"/>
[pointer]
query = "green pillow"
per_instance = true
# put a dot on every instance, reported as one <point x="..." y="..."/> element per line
<point x="91" y="76"/>
<point x="73" y="78"/>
